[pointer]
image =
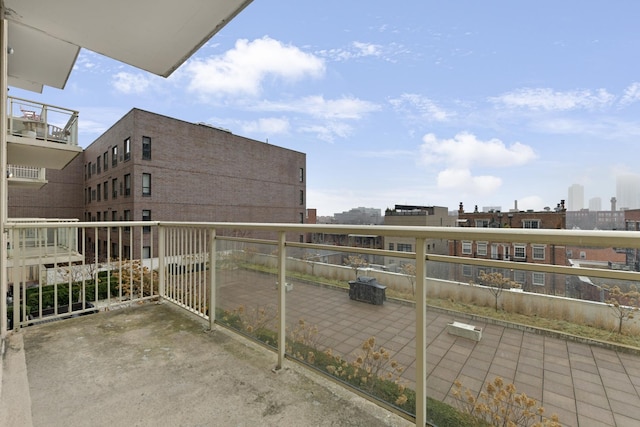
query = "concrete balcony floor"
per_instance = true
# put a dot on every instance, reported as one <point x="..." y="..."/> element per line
<point x="152" y="365"/>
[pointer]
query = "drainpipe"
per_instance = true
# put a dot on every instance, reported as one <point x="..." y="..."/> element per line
<point x="4" y="200"/>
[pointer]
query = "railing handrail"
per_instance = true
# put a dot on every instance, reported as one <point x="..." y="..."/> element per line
<point x="29" y="101"/>
<point x="584" y="238"/>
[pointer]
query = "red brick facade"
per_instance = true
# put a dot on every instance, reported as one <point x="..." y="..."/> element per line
<point x="540" y="254"/>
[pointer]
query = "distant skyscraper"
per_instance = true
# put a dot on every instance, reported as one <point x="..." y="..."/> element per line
<point x="576" y="197"/>
<point x="628" y="191"/>
<point x="595" y="204"/>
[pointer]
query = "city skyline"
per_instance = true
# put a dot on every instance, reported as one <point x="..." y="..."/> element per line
<point x="424" y="105"/>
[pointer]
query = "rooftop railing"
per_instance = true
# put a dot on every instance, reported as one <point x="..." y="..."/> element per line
<point x="293" y="296"/>
<point x="30" y="119"/>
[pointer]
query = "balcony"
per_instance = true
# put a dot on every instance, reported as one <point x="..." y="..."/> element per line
<point x="38" y="245"/>
<point x="26" y="176"/>
<point x="41" y="135"/>
<point x="145" y="356"/>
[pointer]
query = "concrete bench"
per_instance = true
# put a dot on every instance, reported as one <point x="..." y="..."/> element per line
<point x="464" y="330"/>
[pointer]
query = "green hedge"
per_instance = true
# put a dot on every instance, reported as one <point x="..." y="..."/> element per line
<point x="48" y="292"/>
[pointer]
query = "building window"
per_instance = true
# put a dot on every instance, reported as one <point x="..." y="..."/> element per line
<point x="484" y="223"/>
<point x="391" y="247"/>
<point x="98" y="164"/>
<point x="114" y="218"/>
<point x="538" y="279"/>
<point x="127" y="149"/>
<point x="127" y="185"/>
<point x="538" y="251"/>
<point x="104" y="216"/>
<point x="301" y="175"/>
<point x="466" y="270"/>
<point x="93" y="194"/>
<point x="494" y="251"/>
<point x="89" y="169"/>
<point x="98" y="217"/>
<point x="531" y="223"/>
<point x="146" y="216"/>
<point x="105" y="161"/>
<point x="146" y="184"/>
<point x="127" y="217"/>
<point x="146" y="252"/>
<point x="301" y="217"/>
<point x="466" y="248"/>
<point x="114" y="156"/>
<point x="302" y="197"/>
<point x="481" y="248"/>
<point x="405" y="247"/>
<point x="519" y="251"/>
<point x="146" y="148"/>
<point x="99" y="191"/>
<point x="106" y="190"/>
<point x="114" y="188"/>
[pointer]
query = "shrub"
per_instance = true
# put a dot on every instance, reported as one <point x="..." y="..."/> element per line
<point x="501" y="405"/>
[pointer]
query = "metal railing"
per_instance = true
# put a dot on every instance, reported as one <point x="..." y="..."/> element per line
<point x="42" y="121"/>
<point x="217" y="271"/>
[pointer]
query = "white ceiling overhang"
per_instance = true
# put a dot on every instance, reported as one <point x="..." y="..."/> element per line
<point x="153" y="35"/>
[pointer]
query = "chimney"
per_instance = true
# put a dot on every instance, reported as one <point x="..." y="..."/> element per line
<point x="515" y="205"/>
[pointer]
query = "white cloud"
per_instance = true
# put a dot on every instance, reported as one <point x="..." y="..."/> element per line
<point x="418" y="106"/>
<point x="268" y="126"/>
<point x="549" y="100"/>
<point x="328" y="131"/>
<point x="457" y="158"/>
<point x="245" y="68"/>
<point x="355" y="50"/>
<point x="466" y="151"/>
<point x="130" y="83"/>
<point x="317" y="106"/>
<point x="462" y="180"/>
<point x="631" y="94"/>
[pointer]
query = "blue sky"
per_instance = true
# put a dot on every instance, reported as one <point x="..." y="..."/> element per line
<point x="410" y="102"/>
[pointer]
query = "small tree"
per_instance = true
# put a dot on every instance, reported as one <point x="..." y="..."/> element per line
<point x="356" y="262"/>
<point x="410" y="271"/>
<point x="623" y="304"/>
<point x="496" y="283"/>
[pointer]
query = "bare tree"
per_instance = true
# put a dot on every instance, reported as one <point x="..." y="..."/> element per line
<point x="356" y="262"/>
<point x="410" y="271"/>
<point x="496" y="283"/>
<point x="623" y="304"/>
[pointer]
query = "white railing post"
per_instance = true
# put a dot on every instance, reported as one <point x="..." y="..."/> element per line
<point x="421" y="333"/>
<point x="282" y="276"/>
<point x="212" y="278"/>
<point x="161" y="264"/>
<point x="4" y="201"/>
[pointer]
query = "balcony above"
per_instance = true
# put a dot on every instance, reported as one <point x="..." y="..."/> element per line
<point x="41" y="135"/>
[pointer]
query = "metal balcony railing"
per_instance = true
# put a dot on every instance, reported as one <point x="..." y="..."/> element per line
<point x="45" y="122"/>
<point x="174" y="262"/>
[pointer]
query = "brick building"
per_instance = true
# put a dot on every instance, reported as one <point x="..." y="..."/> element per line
<point x="514" y="251"/>
<point x="152" y="167"/>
